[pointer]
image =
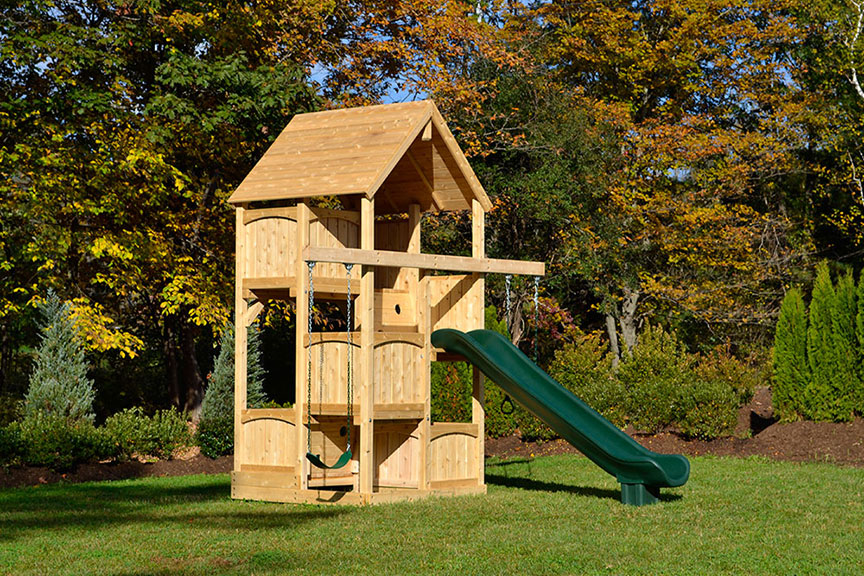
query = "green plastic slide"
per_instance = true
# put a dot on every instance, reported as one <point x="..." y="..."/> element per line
<point x="640" y="471"/>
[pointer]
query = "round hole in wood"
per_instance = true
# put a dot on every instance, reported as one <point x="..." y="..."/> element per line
<point x="398" y="309"/>
<point x="343" y="431"/>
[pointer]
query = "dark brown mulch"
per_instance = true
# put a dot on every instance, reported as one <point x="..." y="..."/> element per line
<point x="757" y="434"/>
<point x="33" y="476"/>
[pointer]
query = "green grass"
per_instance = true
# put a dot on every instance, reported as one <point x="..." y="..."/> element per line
<point x="553" y="515"/>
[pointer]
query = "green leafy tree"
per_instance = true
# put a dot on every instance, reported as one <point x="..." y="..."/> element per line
<point x="125" y="126"/>
<point x="791" y="370"/>
<point x="59" y="385"/>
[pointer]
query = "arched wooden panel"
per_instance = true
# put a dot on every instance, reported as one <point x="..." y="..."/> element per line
<point x="398" y="376"/>
<point x="270" y="248"/>
<point x="268" y="442"/>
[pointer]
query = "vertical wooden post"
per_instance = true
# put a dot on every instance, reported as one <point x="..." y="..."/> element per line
<point x="414" y="274"/>
<point x="478" y="410"/>
<point x="424" y="321"/>
<point x="301" y="275"/>
<point x="240" y="308"/>
<point x="366" y="312"/>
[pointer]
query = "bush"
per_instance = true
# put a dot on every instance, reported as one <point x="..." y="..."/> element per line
<point x="653" y="376"/>
<point x="500" y="415"/>
<point x="740" y="377"/>
<point x="791" y="371"/>
<point x="59" y="385"/>
<point x="215" y="436"/>
<point x="134" y="434"/>
<point x="10" y="445"/>
<point x="451" y="392"/>
<point x="709" y="409"/>
<point x="585" y="368"/>
<point x="10" y="410"/>
<point x="60" y="444"/>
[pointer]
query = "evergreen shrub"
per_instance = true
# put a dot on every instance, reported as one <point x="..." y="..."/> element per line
<point x="820" y="348"/>
<point x="59" y="385"/>
<point x="791" y="370"/>
<point x="134" y="434"/>
<point x="217" y="408"/>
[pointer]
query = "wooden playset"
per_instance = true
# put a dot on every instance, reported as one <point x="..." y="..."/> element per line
<point x="362" y="395"/>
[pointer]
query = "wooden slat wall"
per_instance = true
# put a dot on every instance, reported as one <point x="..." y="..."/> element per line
<point x="398" y="371"/>
<point x="457" y="302"/>
<point x="268" y="442"/>
<point x="334" y="233"/>
<point x="331" y="385"/>
<point x="452" y="457"/>
<point x="397" y="455"/>
<point x="270" y="248"/>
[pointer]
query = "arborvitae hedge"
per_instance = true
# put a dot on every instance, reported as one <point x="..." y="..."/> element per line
<point x="791" y="371"/>
<point x="859" y="332"/>
<point x="820" y="348"/>
<point x="844" y="380"/>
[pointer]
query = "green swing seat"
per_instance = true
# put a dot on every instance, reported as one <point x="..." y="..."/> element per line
<point x="316" y="461"/>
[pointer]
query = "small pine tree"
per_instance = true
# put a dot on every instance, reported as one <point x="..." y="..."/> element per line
<point x="219" y="397"/>
<point x="820" y="347"/>
<point x="59" y="385"/>
<point x="791" y="371"/>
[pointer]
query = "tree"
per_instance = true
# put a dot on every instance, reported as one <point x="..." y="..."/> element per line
<point x="126" y="126"/>
<point x="845" y="379"/>
<point x="706" y="144"/>
<point x="820" y="348"/>
<point x="59" y="386"/>
<point x="791" y="370"/>
<point x="219" y="398"/>
<point x="859" y="332"/>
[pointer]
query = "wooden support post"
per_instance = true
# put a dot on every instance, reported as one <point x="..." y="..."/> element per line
<point x="366" y="312"/>
<point x="478" y="410"/>
<point x="424" y="323"/>
<point x="240" y="311"/>
<point x="301" y="275"/>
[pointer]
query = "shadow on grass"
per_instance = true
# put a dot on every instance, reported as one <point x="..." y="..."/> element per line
<point x="524" y="483"/>
<point x="99" y="505"/>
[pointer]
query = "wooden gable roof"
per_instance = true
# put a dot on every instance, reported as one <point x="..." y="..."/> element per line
<point x="400" y="153"/>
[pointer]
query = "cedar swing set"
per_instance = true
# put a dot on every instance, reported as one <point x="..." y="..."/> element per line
<point x="360" y="430"/>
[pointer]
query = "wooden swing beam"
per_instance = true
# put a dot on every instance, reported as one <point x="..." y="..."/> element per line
<point x="388" y="258"/>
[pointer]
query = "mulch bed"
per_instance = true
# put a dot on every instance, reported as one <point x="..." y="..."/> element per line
<point x="757" y="434"/>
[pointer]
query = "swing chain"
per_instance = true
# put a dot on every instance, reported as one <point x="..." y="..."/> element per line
<point x="311" y="266"/>
<point x="536" y="313"/>
<point x="509" y="305"/>
<point x="348" y="268"/>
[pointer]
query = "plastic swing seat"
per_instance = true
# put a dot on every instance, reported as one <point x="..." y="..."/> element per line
<point x="315" y="459"/>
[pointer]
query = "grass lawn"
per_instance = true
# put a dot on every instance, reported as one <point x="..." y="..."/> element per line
<point x="553" y="515"/>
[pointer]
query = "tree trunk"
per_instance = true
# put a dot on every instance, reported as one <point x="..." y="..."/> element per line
<point x="612" y="331"/>
<point x="171" y="365"/>
<point x="192" y="380"/>
<point x="628" y="318"/>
